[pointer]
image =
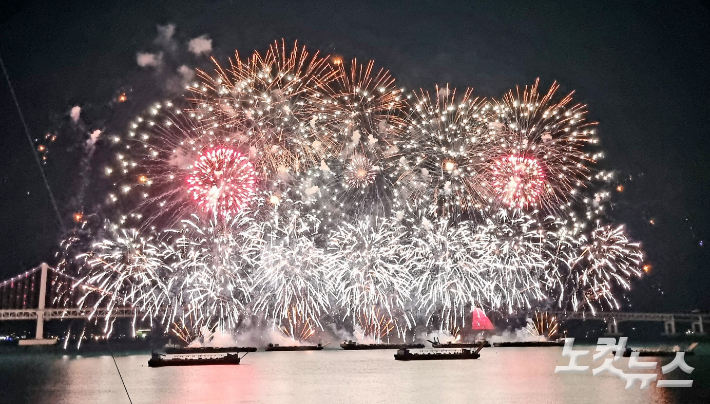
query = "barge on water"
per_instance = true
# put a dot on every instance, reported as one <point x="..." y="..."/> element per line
<point x="527" y="344"/>
<point x="406" y="355"/>
<point x="660" y="352"/>
<point x="353" y="346"/>
<point x="277" y="347"/>
<point x="437" y="344"/>
<point x="198" y="356"/>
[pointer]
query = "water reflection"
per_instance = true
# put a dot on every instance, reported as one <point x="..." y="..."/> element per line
<point x="505" y="375"/>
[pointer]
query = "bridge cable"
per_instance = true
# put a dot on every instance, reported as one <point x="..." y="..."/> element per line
<point x="29" y="138"/>
<point x="118" y="370"/>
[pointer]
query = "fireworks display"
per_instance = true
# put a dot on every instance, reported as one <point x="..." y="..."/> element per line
<point x="290" y="277"/>
<point x="272" y="103"/>
<point x="441" y="167"/>
<point x="371" y="275"/>
<point x="518" y="182"/>
<point x="359" y="172"/>
<point x="222" y="182"/>
<point x="294" y="191"/>
<point x="449" y="279"/>
<point x="543" y="325"/>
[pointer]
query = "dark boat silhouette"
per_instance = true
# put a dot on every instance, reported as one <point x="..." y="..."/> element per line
<point x="352" y="345"/>
<point x="437" y="344"/>
<point x="406" y="355"/>
<point x="660" y="352"/>
<point x="277" y="347"/>
<point x="528" y="344"/>
<point x="198" y="356"/>
<point x="209" y="350"/>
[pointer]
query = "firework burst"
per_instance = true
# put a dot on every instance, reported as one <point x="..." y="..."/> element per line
<point x="359" y="172"/>
<point x="367" y="114"/>
<point x="447" y="145"/>
<point x="448" y="277"/>
<point x="290" y="273"/>
<point x="126" y="268"/>
<point x="222" y="182"/>
<point x="362" y="187"/>
<point x="542" y="156"/>
<point x="209" y="270"/>
<point x="297" y="326"/>
<point x="606" y="260"/>
<point x="365" y="109"/>
<point x="514" y="248"/>
<point x="271" y="103"/>
<point x="518" y="181"/>
<point x="371" y="277"/>
<point x="374" y="325"/>
<point x="543" y="325"/>
<point x="171" y="164"/>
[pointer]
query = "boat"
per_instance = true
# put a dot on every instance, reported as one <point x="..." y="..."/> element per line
<point x="407" y="355"/>
<point x="198" y="356"/>
<point x="660" y="352"/>
<point x="437" y="344"/>
<point x="208" y="350"/>
<point x="527" y="344"/>
<point x="352" y="345"/>
<point x="277" y="347"/>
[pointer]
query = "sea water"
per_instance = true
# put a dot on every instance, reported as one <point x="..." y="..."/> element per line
<point x="501" y="375"/>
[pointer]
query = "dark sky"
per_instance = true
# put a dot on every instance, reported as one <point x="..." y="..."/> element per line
<point x="642" y="67"/>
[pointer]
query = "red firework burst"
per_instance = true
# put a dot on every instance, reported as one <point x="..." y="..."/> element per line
<point x="518" y="181"/>
<point x="222" y="181"/>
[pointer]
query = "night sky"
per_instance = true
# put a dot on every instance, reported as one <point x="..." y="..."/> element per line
<point x="642" y="67"/>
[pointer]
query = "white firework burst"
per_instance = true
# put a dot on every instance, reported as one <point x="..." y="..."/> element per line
<point x="209" y="270"/>
<point x="514" y="250"/>
<point x="449" y="278"/>
<point x="371" y="276"/>
<point x="605" y="261"/>
<point x="125" y="268"/>
<point x="290" y="273"/>
<point x="443" y="156"/>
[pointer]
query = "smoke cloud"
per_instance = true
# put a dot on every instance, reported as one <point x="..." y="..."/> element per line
<point x="200" y="45"/>
<point x="75" y="113"/>
<point x="165" y="34"/>
<point x="93" y="137"/>
<point x="146" y="59"/>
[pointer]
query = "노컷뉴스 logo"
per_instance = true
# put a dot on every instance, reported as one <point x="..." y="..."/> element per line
<point x="605" y="346"/>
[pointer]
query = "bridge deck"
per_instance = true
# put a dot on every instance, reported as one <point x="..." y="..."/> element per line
<point x="58" y="314"/>
<point x="627" y="316"/>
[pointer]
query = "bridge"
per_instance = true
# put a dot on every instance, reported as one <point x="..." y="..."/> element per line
<point x="44" y="293"/>
<point x="613" y="318"/>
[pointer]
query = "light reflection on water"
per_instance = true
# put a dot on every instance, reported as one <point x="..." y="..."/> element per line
<point x="502" y="375"/>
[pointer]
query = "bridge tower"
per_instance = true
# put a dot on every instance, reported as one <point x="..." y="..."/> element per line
<point x="669" y="326"/>
<point x="39" y="333"/>
<point x="612" y="328"/>
<point x="697" y="326"/>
